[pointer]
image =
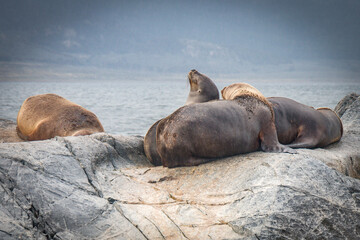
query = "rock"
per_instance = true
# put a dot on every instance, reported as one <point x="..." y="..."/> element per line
<point x="102" y="186"/>
<point x="8" y="132"/>
<point x="344" y="104"/>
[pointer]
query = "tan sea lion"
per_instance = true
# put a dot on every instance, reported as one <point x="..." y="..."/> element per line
<point x="202" y="132"/>
<point x="301" y="126"/>
<point x="202" y="89"/>
<point x="48" y="115"/>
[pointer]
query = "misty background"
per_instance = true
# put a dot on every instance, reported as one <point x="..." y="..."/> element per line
<point x="272" y="40"/>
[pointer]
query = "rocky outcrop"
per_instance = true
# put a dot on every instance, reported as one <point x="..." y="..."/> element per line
<point x="345" y="103"/>
<point x="102" y="186"/>
<point x="8" y="132"/>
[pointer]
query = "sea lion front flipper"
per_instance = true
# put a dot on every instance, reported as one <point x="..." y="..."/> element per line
<point x="279" y="148"/>
<point x="270" y="143"/>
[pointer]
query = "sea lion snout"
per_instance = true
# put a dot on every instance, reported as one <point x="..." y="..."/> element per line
<point x="202" y="88"/>
<point x="191" y="75"/>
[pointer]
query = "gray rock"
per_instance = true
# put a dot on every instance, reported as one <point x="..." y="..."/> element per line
<point x="8" y="132"/>
<point x="102" y="186"/>
<point x="345" y="103"/>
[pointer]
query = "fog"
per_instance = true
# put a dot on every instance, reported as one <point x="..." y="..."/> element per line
<point x="272" y="40"/>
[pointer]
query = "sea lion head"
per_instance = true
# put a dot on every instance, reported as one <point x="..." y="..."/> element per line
<point x="202" y="88"/>
<point x="236" y="90"/>
<point x="241" y="90"/>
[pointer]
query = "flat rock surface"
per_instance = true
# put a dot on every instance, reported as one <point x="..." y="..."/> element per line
<point x="102" y="186"/>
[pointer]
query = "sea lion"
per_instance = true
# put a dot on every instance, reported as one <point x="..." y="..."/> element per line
<point x="301" y="126"/>
<point x="202" y="89"/>
<point x="48" y="115"/>
<point x="201" y="132"/>
<point x="297" y="125"/>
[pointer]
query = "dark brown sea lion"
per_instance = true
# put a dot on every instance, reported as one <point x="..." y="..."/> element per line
<point x="201" y="132"/>
<point x="48" y="115"/>
<point x="301" y="126"/>
<point x="202" y="89"/>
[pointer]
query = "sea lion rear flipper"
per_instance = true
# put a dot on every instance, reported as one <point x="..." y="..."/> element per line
<point x="150" y="147"/>
<point x="22" y="136"/>
<point x="303" y="143"/>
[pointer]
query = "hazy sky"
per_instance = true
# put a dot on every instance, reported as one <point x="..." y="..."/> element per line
<point x="110" y="40"/>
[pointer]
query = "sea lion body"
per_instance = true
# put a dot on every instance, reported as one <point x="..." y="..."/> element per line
<point x="201" y="132"/>
<point x="48" y="115"/>
<point x="202" y="89"/>
<point x="301" y="126"/>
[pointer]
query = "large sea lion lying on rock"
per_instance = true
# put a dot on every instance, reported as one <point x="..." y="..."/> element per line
<point x="298" y="125"/>
<point x="202" y="89"/>
<point x="301" y="126"/>
<point x="201" y="132"/>
<point x="48" y="115"/>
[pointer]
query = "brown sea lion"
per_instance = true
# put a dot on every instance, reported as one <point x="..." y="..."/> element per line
<point x="202" y="89"/>
<point x="48" y="115"/>
<point x="297" y="125"/>
<point x="202" y="132"/>
<point x="301" y="126"/>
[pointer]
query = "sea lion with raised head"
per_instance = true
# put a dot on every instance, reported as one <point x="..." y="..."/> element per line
<point x="301" y="126"/>
<point x="201" y="132"/>
<point x="202" y="89"/>
<point x="48" y="115"/>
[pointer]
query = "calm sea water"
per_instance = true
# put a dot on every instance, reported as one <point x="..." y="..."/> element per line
<point x="131" y="107"/>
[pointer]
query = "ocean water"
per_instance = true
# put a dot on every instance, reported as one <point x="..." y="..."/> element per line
<point x="131" y="107"/>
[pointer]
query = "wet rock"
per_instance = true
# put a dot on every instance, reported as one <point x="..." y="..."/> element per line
<point x="102" y="186"/>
